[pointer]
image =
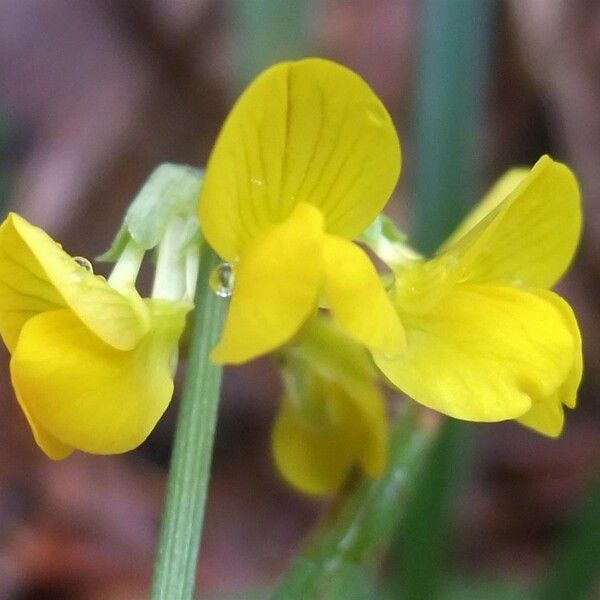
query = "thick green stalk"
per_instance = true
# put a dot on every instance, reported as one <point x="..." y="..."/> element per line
<point x="266" y="32"/>
<point x="449" y="106"/>
<point x="449" y="103"/>
<point x="419" y="556"/>
<point x="364" y="522"/>
<point x="175" y="570"/>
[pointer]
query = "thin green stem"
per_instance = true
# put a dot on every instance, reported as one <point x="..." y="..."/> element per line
<point x="175" y="570"/>
<point x="127" y="267"/>
<point x="170" y="275"/>
<point x="365" y="521"/>
<point x="192" y="261"/>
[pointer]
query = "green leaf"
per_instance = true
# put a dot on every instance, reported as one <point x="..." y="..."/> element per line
<point x="121" y="240"/>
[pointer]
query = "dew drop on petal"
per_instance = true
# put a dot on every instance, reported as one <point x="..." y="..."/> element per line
<point x="222" y="279"/>
<point x="376" y="116"/>
<point x="392" y="355"/>
<point x="84" y="263"/>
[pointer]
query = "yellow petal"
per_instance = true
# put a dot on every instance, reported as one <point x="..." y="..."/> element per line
<point x="85" y="394"/>
<point x="276" y="286"/>
<point x="308" y="131"/>
<point x="52" y="447"/>
<point x="357" y="298"/>
<point x="547" y="415"/>
<point x="531" y="236"/>
<point x="316" y="456"/>
<point x="507" y="184"/>
<point x="314" y="459"/>
<point x="339" y="360"/>
<point x="36" y="275"/>
<point x="368" y="410"/>
<point x="483" y="353"/>
<point x="567" y="393"/>
<point x="333" y="355"/>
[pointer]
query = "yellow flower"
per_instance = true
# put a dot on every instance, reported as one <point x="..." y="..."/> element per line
<point x="305" y="161"/>
<point x="90" y="365"/>
<point x="332" y="415"/>
<point x="486" y="340"/>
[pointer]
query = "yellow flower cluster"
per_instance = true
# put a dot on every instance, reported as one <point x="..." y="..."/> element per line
<point x="90" y="364"/>
<point x="487" y="341"/>
<point x="306" y="160"/>
<point x="304" y="164"/>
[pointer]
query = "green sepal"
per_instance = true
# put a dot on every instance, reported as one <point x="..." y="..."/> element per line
<point x="170" y="191"/>
<point x="388" y="243"/>
<point x="121" y="240"/>
<point x="382" y="227"/>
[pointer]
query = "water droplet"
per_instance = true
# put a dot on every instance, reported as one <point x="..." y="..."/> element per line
<point x="222" y="279"/>
<point x="84" y="263"/>
<point x="377" y="116"/>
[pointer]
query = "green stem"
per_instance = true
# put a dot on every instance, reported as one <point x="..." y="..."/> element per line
<point x="450" y="103"/>
<point x="170" y="274"/>
<point x="419" y="552"/>
<point x="365" y="521"/>
<point x="175" y="569"/>
<point x="127" y="267"/>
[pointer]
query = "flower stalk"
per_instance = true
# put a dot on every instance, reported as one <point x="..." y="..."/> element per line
<point x="127" y="267"/>
<point x="171" y="262"/>
<point x="175" y="569"/>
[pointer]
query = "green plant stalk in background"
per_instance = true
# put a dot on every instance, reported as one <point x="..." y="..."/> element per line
<point x="449" y="106"/>
<point x="189" y="474"/>
<point x="449" y="109"/>
<point x="449" y="112"/>
<point x="419" y="554"/>
<point x="268" y="31"/>
<point x="339" y="548"/>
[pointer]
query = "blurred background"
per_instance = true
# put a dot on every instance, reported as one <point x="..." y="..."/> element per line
<point x="95" y="93"/>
